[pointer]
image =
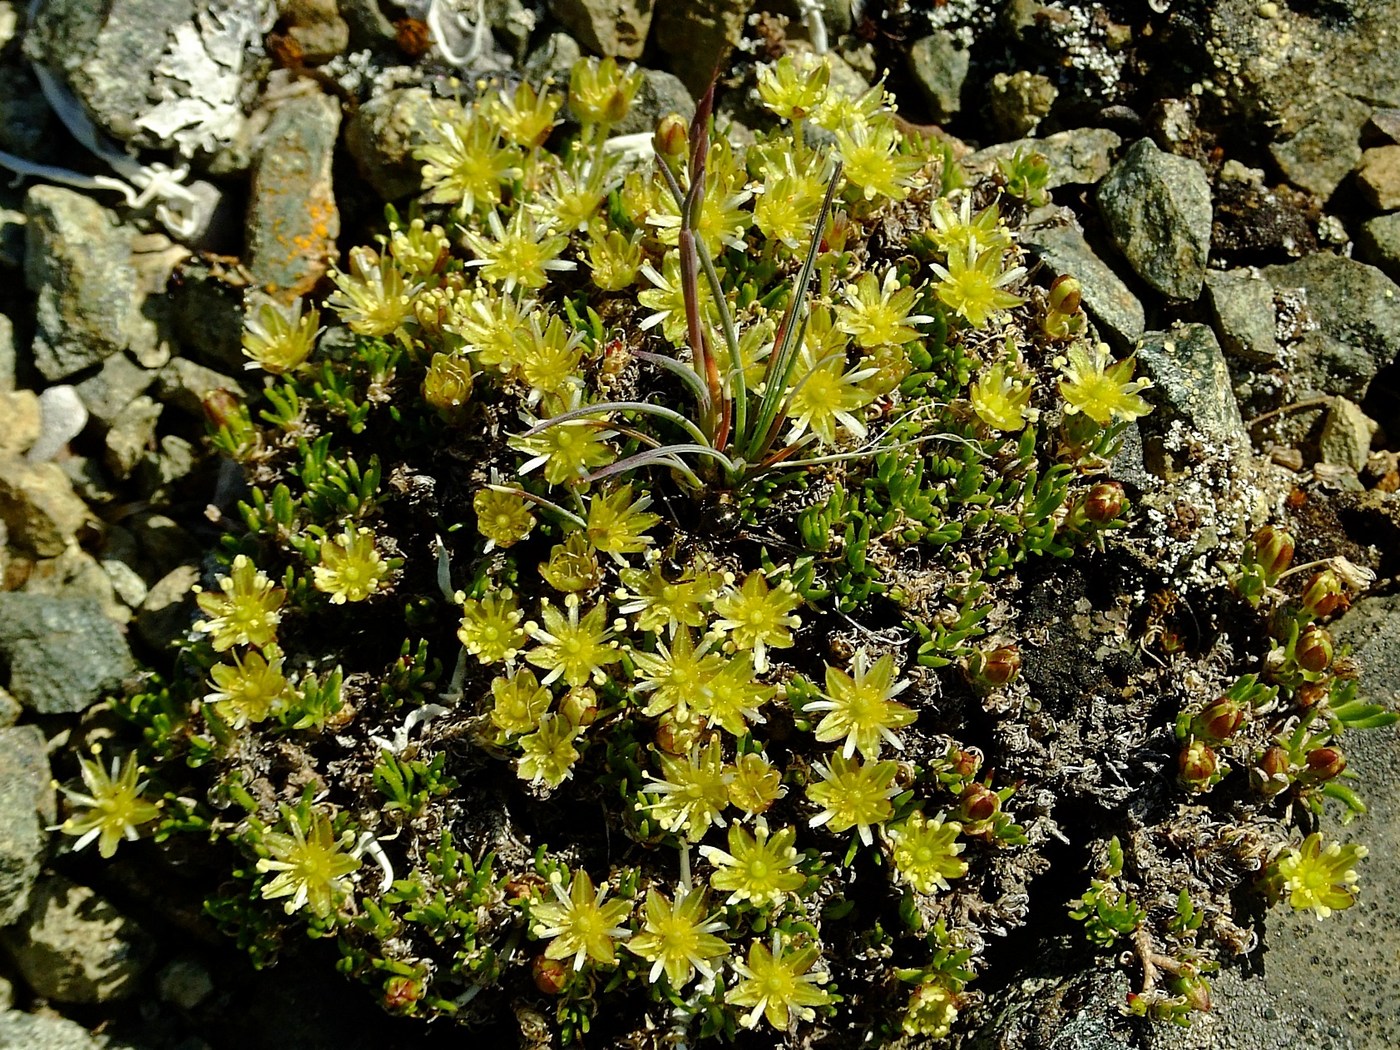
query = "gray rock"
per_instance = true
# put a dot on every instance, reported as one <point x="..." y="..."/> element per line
<point x="1325" y="150"/>
<point x="76" y="574"/>
<point x="38" y="506"/>
<point x="74" y="947"/>
<point x="22" y="1031"/>
<point x="1192" y="384"/>
<point x="317" y="27"/>
<point x="1354" y="314"/>
<point x="131" y="434"/>
<point x="1242" y="306"/>
<point x="206" y="314"/>
<point x="184" y="982"/>
<point x="1379" y="177"/>
<point x="293" y="220"/>
<point x="697" y="36"/>
<point x="78" y="262"/>
<point x="62" y="653"/>
<point x="10" y="709"/>
<point x="661" y="93"/>
<point x="369" y="28"/>
<point x="383" y="133"/>
<point x="1346" y="435"/>
<point x="553" y="58"/>
<point x="1018" y="102"/>
<point x="171" y="463"/>
<point x="112" y="387"/>
<point x="127" y="584"/>
<point x="168" y="610"/>
<point x="1062" y="247"/>
<point x="26" y="810"/>
<point x="8" y="357"/>
<point x="939" y="68"/>
<point x="184" y="384"/>
<point x="1157" y="208"/>
<point x="160" y="73"/>
<point x="607" y="27"/>
<point x="62" y="417"/>
<point x="20" y="417"/>
<point x="1378" y="243"/>
<point x="1077" y="158"/>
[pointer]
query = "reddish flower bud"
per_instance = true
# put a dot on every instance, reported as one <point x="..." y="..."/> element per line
<point x="220" y="406"/>
<point x="522" y="886"/>
<point x="965" y="763"/>
<point x="1065" y="294"/>
<point x="400" y="993"/>
<point x="550" y="975"/>
<point x="994" y="668"/>
<point x="1275" y="770"/>
<point x="672" y="136"/>
<point x="1104" y="502"/>
<point x="1313" y="652"/>
<point x="1324" y="594"/>
<point x="1324" y="763"/>
<point x="1272" y="551"/>
<point x="1197" y="766"/>
<point x="676" y="738"/>
<point x="837" y="233"/>
<point x="1219" y="721"/>
<point x="977" y="804"/>
<point x="580" y="706"/>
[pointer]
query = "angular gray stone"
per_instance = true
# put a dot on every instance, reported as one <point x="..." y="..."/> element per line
<point x="292" y="219"/>
<point x="108" y="54"/>
<point x="1378" y="243"/>
<point x="22" y="1031"/>
<point x="26" y="810"/>
<point x="661" y="93"/>
<point x="131" y="434"/>
<point x="77" y="261"/>
<point x="1325" y="150"/>
<point x="184" y="384"/>
<point x="76" y="574"/>
<point x="939" y="68"/>
<point x="112" y="387"/>
<point x="1346" y="435"/>
<point x="1242" y="305"/>
<point x="10" y="709"/>
<point x="1018" y="102"/>
<point x="383" y="133"/>
<point x="1379" y="177"/>
<point x="20" y="418"/>
<point x="1063" y="249"/>
<point x="168" y="610"/>
<point x="72" y="946"/>
<point x="696" y="36"/>
<point x="63" y="654"/>
<point x="1354" y="314"/>
<point x="1077" y="158"/>
<point x="1192" y="384"/>
<point x="62" y="417"/>
<point x="1157" y="208"/>
<point x="38" y="506"/>
<point x="607" y="27"/>
<point x="553" y="58"/>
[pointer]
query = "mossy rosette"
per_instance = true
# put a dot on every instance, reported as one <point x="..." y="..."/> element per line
<point x="622" y="628"/>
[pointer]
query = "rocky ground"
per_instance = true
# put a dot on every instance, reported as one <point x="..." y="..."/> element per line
<point x="1226" y="186"/>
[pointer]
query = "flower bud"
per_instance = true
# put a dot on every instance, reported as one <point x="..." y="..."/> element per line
<point x="580" y="706"/>
<point x="978" y="804"/>
<point x="550" y="975"/>
<point x="447" y="386"/>
<point x="522" y="886"/>
<point x="1275" y="769"/>
<point x="1065" y="293"/>
<point x="671" y="138"/>
<point x="994" y="668"/>
<point x="400" y="993"/>
<point x="1324" y="763"/>
<point x="1196" y="766"/>
<point x="1104" y="502"/>
<point x="220" y="407"/>
<point x="1313" y="652"/>
<point x="1195" y="990"/>
<point x="965" y="763"/>
<point x="676" y="738"/>
<point x="1272" y="551"/>
<point x="837" y="232"/>
<point x="1219" y="721"/>
<point x="1323" y="594"/>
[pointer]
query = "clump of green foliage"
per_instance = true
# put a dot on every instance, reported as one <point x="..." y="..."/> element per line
<point x="617" y="608"/>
